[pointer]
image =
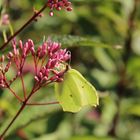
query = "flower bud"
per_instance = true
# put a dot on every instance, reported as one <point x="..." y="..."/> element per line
<point x="2" y="58"/>
<point x="51" y="13"/>
<point x="7" y="66"/>
<point x="36" y="78"/>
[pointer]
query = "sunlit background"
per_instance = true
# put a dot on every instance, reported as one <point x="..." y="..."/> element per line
<point x="104" y="39"/>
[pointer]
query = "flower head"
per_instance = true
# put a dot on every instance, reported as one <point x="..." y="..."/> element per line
<point x="56" y="61"/>
<point x="58" y="5"/>
<point x="49" y="61"/>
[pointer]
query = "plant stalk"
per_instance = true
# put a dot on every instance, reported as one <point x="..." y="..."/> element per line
<point x="17" y="114"/>
<point x="26" y="24"/>
<point x="121" y="87"/>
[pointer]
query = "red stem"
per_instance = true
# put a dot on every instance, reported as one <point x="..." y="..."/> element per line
<point x="49" y="103"/>
<point x="8" y="86"/>
<point x="23" y="86"/>
<point x="15" y="94"/>
<point x="34" y="58"/>
<point x="21" y="108"/>
<point x="26" y="24"/>
<point x="43" y="60"/>
<point x="17" y="114"/>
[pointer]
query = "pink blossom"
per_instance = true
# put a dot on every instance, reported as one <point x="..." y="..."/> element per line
<point x="1" y="81"/>
<point x="49" y="61"/>
<point x="42" y="50"/>
<point x="58" y="5"/>
<point x="55" y="57"/>
<point x="5" y="19"/>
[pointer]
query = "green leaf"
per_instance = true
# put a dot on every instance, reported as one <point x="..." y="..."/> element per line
<point x="28" y="116"/>
<point x="75" y="92"/>
<point x="72" y="40"/>
<point x="89" y="137"/>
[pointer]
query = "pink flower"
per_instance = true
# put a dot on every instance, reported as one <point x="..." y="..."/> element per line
<point x="5" y="19"/>
<point x="42" y="50"/>
<point x="49" y="61"/>
<point x="2" y="83"/>
<point x="58" y="5"/>
<point x="55" y="58"/>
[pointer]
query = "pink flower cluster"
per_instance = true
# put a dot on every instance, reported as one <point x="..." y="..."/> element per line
<point x="58" y="5"/>
<point x="49" y="62"/>
<point x="53" y="69"/>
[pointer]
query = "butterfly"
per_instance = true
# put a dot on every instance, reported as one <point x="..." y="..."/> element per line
<point x="75" y="92"/>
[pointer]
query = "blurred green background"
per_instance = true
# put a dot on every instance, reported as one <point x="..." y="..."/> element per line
<point x="104" y="39"/>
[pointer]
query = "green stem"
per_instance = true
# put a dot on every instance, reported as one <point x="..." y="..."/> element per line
<point x="4" y="35"/>
<point x="11" y="29"/>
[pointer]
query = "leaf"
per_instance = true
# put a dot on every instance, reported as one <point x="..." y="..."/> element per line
<point x="89" y="137"/>
<point x="28" y="116"/>
<point x="75" y="92"/>
<point x="134" y="110"/>
<point x="72" y="40"/>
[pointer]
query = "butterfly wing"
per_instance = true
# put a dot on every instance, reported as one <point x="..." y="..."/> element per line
<point x="75" y="92"/>
<point x="65" y="93"/>
<point x="87" y="93"/>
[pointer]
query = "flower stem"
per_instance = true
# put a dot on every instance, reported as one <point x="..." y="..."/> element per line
<point x="34" y="58"/>
<point x="15" y="94"/>
<point x="23" y="86"/>
<point x="15" y="117"/>
<point x="26" y="24"/>
<point x="49" y="103"/>
<point x="17" y="114"/>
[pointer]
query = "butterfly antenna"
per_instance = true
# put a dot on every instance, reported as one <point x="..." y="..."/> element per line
<point x="69" y="61"/>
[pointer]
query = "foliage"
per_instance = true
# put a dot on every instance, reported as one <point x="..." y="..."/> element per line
<point x="104" y="38"/>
